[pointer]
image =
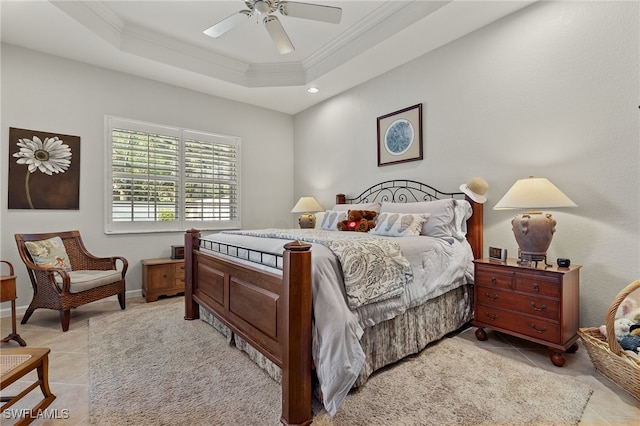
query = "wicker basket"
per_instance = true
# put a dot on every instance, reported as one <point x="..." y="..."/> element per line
<point x="607" y="355"/>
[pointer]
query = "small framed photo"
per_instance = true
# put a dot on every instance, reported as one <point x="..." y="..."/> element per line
<point x="400" y="136"/>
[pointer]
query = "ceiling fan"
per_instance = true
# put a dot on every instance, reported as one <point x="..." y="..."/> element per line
<point x="275" y="29"/>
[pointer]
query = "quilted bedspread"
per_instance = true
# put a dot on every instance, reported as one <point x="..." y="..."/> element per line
<point x="374" y="269"/>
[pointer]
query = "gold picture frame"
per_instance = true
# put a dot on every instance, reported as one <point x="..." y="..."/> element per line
<point x="400" y="136"/>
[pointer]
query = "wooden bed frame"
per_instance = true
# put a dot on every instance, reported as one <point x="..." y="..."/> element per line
<point x="273" y="312"/>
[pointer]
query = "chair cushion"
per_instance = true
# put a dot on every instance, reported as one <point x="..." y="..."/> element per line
<point x="88" y="279"/>
<point x="49" y="253"/>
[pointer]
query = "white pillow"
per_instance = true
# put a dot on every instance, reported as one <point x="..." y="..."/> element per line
<point x="331" y="219"/>
<point x="441" y="223"/>
<point x="319" y="219"/>
<point x="463" y="212"/>
<point x="399" y="225"/>
<point x="362" y="206"/>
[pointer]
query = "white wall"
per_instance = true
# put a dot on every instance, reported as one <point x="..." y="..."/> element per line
<point x="47" y="93"/>
<point x="549" y="91"/>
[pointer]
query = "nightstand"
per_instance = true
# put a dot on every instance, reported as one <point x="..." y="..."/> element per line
<point x="162" y="277"/>
<point x="537" y="303"/>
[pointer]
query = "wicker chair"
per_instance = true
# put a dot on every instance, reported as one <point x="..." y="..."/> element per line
<point x="90" y="278"/>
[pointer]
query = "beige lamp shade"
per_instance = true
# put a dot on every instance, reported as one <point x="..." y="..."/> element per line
<point x="533" y="230"/>
<point x="534" y="193"/>
<point x="306" y="206"/>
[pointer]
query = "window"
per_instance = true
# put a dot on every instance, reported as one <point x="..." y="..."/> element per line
<point x="169" y="179"/>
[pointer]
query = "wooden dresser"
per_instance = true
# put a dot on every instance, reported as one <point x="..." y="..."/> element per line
<point x="537" y="303"/>
<point x="162" y="277"/>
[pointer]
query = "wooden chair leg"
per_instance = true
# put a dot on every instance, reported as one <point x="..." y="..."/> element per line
<point x="121" y="300"/>
<point x="65" y="317"/>
<point x="26" y="316"/>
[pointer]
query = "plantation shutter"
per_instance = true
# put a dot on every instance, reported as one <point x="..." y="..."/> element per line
<point x="211" y="179"/>
<point x="169" y="179"/>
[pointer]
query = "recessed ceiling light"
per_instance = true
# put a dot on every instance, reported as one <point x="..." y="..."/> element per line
<point x="313" y="90"/>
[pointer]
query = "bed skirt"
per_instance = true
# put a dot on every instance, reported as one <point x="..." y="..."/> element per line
<point x="389" y="341"/>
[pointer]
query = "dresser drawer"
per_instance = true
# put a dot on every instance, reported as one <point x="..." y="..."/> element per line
<point x="521" y="303"/>
<point x="495" y="279"/>
<point x="519" y="323"/>
<point x="536" y="285"/>
<point x="179" y="273"/>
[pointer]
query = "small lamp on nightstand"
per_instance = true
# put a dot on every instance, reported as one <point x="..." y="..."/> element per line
<point x="307" y="206"/>
<point x="533" y="230"/>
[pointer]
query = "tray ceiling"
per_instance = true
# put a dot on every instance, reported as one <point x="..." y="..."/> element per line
<point x="164" y="41"/>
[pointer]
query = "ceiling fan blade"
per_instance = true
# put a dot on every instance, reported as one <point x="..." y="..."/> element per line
<point x="278" y="34"/>
<point x="316" y="12"/>
<point x="227" y="24"/>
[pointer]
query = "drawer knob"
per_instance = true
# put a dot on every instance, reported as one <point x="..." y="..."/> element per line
<point x="538" y="330"/>
<point x="488" y="296"/>
<point x="536" y="287"/>
<point x="541" y="308"/>
<point x="494" y="280"/>
<point x="492" y="317"/>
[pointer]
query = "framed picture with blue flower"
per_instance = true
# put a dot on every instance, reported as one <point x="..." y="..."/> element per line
<point x="44" y="170"/>
<point x="400" y="136"/>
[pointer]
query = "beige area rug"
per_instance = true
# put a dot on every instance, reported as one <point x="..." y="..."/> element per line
<point x="148" y="366"/>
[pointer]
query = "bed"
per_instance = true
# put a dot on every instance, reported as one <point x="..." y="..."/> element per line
<point x="283" y="297"/>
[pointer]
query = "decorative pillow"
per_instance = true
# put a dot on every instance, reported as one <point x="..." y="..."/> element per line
<point x="331" y="219"/>
<point x="361" y="206"/>
<point x="399" y="225"/>
<point x="49" y="253"/>
<point x="441" y="223"/>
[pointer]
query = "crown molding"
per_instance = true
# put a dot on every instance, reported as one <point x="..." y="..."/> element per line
<point x="96" y="17"/>
<point x="379" y="25"/>
<point x="149" y="44"/>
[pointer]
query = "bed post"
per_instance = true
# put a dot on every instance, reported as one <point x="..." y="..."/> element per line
<point x="296" y="357"/>
<point x="475" y="228"/>
<point x="192" y="311"/>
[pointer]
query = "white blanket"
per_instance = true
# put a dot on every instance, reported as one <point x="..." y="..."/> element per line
<point x="438" y="266"/>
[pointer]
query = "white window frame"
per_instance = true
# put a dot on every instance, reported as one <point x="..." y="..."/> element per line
<point x="181" y="223"/>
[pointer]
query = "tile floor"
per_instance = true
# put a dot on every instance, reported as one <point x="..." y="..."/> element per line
<point x="69" y="367"/>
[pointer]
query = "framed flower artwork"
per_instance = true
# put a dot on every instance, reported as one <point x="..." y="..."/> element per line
<point x="44" y="170"/>
<point x="400" y="136"/>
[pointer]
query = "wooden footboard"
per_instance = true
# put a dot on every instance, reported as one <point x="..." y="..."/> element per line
<point x="271" y="312"/>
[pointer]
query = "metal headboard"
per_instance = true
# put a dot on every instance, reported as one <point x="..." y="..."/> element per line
<point x="401" y="191"/>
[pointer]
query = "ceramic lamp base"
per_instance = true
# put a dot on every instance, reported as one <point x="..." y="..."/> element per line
<point x="533" y="232"/>
<point x="307" y="220"/>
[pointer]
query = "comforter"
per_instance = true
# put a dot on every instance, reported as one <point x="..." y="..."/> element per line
<point x="437" y="266"/>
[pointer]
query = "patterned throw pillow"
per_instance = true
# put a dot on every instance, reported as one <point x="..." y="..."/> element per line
<point x="331" y="219"/>
<point x="399" y="225"/>
<point x="49" y="253"/>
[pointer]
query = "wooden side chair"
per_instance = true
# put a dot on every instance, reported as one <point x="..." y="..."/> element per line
<point x="64" y="275"/>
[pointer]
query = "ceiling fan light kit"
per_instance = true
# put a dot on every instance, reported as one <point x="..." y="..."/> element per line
<point x="266" y="8"/>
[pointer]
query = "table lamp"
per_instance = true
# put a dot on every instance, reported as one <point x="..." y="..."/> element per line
<point x="533" y="230"/>
<point x="307" y="206"/>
